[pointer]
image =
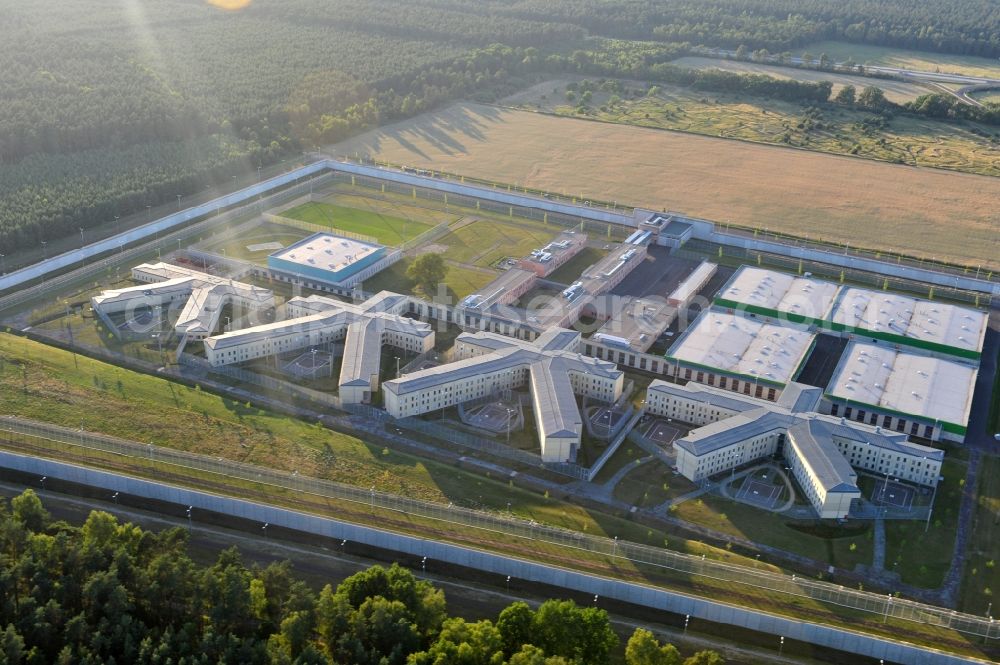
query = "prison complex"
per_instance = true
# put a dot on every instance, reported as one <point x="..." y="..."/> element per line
<point x="487" y="363"/>
<point x="164" y="285"/>
<point x="822" y="451"/>
<point x="320" y="322"/>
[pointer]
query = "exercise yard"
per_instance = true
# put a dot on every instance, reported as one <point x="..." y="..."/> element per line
<point x="310" y="365"/>
<point x="662" y="433"/>
<point x="497" y="417"/>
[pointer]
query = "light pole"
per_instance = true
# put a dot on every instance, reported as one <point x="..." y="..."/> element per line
<point x="373" y="498"/>
<point x="45" y="251"/>
<point x="189" y="509"/>
<point x="118" y="226"/>
<point x="178" y="201"/>
<point x="115" y="497"/>
<point x="781" y="645"/>
<point x="508" y="584"/>
<point x="264" y="529"/>
<point x="687" y="619"/>
<point x="423" y="564"/>
<point x="81" y="235"/>
<point x="3" y="264"/>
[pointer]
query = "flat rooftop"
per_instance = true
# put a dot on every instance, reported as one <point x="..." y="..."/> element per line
<point x="567" y="242"/>
<point x="735" y="344"/>
<point x="908" y="382"/>
<point x="597" y="279"/>
<point x="636" y="323"/>
<point x="492" y="293"/>
<point x="923" y="321"/>
<point x="779" y="292"/>
<point x="326" y="251"/>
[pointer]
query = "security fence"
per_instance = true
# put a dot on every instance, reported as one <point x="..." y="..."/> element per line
<point x="793" y="586"/>
<point x="699" y="249"/>
<point x="163" y="243"/>
<point x="559" y="221"/>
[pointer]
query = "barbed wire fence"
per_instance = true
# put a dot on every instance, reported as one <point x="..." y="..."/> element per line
<point x="792" y="586"/>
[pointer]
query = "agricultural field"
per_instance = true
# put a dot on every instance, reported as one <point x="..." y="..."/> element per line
<point x="386" y="229"/>
<point x="968" y="65"/>
<point x="925" y="212"/>
<point x="831" y="129"/>
<point x="895" y="91"/>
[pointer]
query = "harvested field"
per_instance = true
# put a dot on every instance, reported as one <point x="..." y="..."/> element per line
<point x="968" y="65"/>
<point x="921" y="211"/>
<point x="895" y="91"/>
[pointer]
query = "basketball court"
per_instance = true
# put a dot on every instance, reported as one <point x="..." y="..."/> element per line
<point x="310" y="365"/>
<point x="893" y="494"/>
<point x="662" y="433"/>
<point x="494" y="417"/>
<point x="758" y="493"/>
<point x="605" y="420"/>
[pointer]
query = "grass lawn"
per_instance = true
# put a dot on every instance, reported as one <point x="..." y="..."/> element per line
<point x="570" y="271"/>
<point x="386" y="229"/>
<point x="45" y="383"/>
<point x="905" y="59"/>
<point x="458" y="283"/>
<point x="627" y="453"/>
<point x="771" y="529"/>
<point x="484" y="242"/>
<point x="922" y="558"/>
<point x="651" y="484"/>
<point x="982" y="575"/>
<point x="263" y="233"/>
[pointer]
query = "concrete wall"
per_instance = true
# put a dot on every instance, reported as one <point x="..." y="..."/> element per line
<point x="703" y="229"/>
<point x="76" y="256"/>
<point x="501" y="566"/>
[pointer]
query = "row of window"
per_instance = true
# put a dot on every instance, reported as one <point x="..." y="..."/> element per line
<point x="888" y="422"/>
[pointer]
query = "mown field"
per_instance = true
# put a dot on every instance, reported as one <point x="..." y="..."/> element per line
<point x="925" y="212"/>
<point x="896" y="91"/>
<point x="386" y="229"/>
<point x="905" y="59"/>
<point x="45" y="383"/>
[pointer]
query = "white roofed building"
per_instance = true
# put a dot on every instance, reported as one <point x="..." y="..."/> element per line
<point x="741" y="354"/>
<point x="903" y="390"/>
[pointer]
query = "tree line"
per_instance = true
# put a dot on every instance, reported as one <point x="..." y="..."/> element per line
<point x="111" y="592"/>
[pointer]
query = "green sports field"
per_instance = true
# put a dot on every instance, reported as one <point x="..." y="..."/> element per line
<point x="386" y="229"/>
